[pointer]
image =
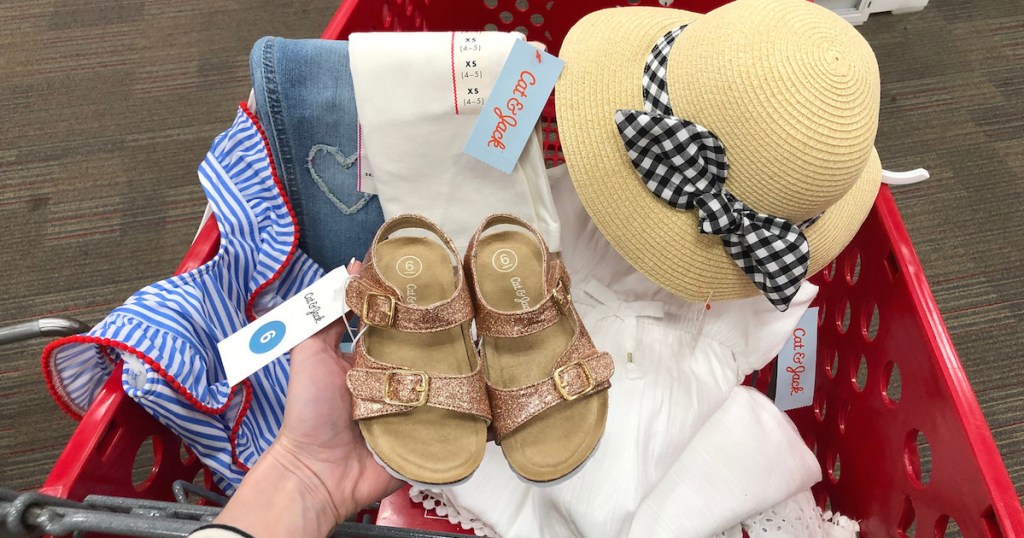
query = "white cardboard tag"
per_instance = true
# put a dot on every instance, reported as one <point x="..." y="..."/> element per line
<point x="798" y="361"/>
<point x="274" y="333"/>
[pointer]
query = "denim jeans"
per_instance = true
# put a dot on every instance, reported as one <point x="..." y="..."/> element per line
<point x="306" y="104"/>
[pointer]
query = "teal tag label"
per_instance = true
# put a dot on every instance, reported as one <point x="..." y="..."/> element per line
<point x="514" y="106"/>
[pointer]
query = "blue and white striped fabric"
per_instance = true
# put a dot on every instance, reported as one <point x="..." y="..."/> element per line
<point x="167" y="333"/>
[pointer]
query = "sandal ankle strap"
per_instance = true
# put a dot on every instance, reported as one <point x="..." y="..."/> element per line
<point x="378" y="303"/>
<point x="511" y="324"/>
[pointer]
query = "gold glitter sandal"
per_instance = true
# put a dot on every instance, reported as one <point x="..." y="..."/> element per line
<point x="545" y="380"/>
<point x="418" y="390"/>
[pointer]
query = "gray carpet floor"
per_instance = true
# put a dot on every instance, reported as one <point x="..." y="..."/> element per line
<point x="108" y="105"/>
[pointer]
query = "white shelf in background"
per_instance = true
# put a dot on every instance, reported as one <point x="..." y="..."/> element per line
<point x="857" y="11"/>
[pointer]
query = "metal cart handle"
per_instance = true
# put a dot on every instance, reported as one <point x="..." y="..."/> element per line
<point x="51" y="327"/>
<point x="32" y="514"/>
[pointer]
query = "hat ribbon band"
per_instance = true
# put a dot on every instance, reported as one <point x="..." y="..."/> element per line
<point x="685" y="165"/>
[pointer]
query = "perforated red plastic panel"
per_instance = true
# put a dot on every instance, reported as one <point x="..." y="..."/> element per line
<point x="896" y="427"/>
<point x="99" y="457"/>
<point x="898" y="431"/>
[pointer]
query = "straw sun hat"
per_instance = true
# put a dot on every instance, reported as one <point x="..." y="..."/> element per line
<point x="786" y="90"/>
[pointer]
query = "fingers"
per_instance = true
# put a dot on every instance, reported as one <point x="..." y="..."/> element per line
<point x="348" y="359"/>
<point x="333" y="333"/>
<point x="330" y="336"/>
<point x="327" y="338"/>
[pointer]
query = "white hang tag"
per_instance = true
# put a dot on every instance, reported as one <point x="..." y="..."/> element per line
<point x="274" y="333"/>
<point x="794" y="384"/>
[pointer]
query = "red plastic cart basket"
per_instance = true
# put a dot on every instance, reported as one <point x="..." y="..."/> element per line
<point x="889" y="389"/>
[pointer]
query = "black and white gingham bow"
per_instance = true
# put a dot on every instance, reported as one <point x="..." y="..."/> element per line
<point x="685" y="165"/>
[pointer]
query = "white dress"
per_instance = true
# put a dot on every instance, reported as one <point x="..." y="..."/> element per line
<point x="686" y="451"/>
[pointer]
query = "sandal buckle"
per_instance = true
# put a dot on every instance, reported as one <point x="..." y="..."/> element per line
<point x="422" y="388"/>
<point x="563" y="386"/>
<point x="366" y="306"/>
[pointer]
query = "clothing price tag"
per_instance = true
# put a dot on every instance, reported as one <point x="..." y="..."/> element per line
<point x="794" y="386"/>
<point x="279" y="330"/>
<point x="514" y="106"/>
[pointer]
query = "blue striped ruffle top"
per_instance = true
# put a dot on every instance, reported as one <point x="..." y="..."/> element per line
<point x="166" y="334"/>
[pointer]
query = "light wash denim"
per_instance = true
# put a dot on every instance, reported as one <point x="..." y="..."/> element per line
<point x="306" y="104"/>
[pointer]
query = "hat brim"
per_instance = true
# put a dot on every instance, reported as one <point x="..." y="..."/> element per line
<point x="604" y="57"/>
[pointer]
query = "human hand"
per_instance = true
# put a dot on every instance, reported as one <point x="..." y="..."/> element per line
<point x="319" y="465"/>
<point x="318" y="429"/>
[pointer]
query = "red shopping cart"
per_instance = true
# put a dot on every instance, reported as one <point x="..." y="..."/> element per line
<point x="896" y="427"/>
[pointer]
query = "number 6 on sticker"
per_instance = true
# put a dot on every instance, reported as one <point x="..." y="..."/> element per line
<point x="267" y="337"/>
<point x="275" y="332"/>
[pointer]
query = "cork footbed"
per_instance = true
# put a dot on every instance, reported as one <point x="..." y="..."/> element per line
<point x="426" y="445"/>
<point x="510" y="275"/>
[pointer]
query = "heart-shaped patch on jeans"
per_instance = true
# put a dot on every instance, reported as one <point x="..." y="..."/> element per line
<point x="345" y="163"/>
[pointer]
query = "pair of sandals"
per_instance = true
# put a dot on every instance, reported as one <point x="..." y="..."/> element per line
<point x="423" y="396"/>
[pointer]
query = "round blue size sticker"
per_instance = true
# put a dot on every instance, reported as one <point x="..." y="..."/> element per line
<point x="267" y="337"/>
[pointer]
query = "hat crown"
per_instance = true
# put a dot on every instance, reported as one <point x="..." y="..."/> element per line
<point x="791" y="90"/>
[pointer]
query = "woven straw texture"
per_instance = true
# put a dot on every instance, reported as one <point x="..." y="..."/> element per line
<point x="797" y="116"/>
